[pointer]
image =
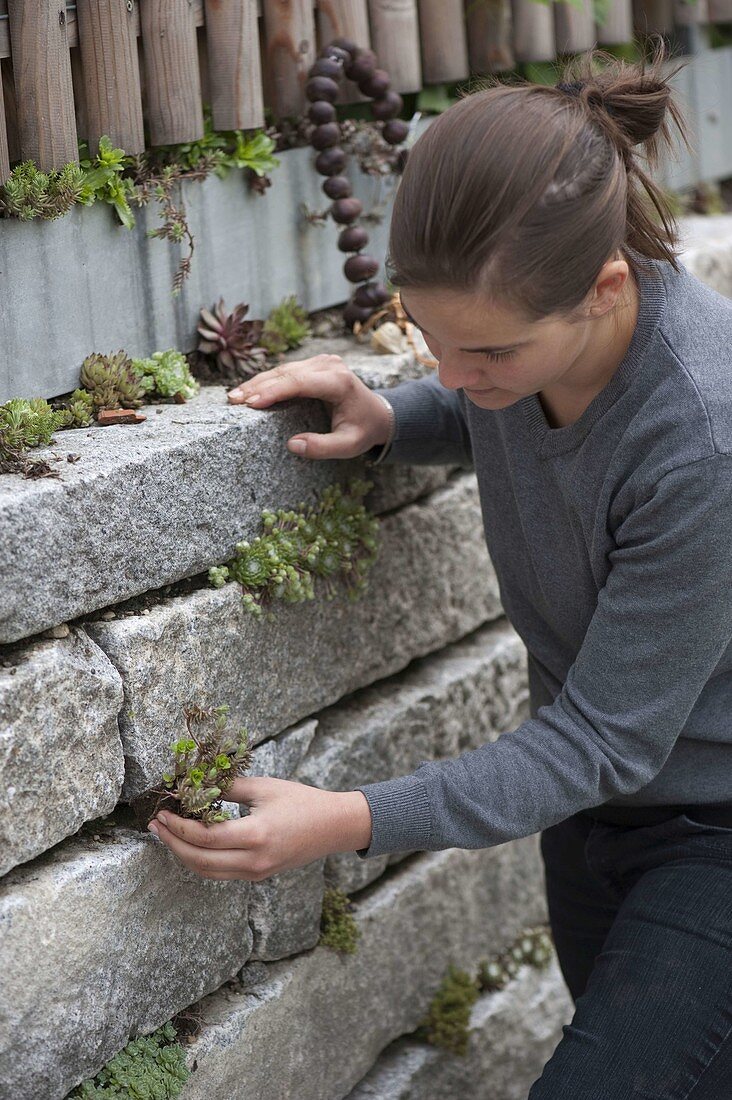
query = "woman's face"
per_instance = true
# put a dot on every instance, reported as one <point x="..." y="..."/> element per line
<point x="496" y="355"/>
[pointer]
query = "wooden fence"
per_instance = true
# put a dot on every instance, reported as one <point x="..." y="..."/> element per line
<point x="98" y="67"/>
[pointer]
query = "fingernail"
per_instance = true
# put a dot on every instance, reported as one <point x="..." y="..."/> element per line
<point x="299" y="446"/>
<point x="252" y="397"/>
<point x="163" y="818"/>
<point x="154" y="829"/>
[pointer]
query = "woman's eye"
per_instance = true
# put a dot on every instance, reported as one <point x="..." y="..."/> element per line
<point x="497" y="355"/>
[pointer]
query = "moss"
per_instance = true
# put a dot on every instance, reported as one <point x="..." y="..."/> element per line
<point x="149" y="1068"/>
<point x="447" y="1021"/>
<point x="338" y="928"/>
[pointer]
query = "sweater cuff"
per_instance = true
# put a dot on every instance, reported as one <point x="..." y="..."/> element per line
<point x="401" y="819"/>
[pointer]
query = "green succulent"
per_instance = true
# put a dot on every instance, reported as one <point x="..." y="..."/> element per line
<point x="25" y="424"/>
<point x="286" y="327"/>
<point x="338" y="928"/>
<point x="78" y="410"/>
<point x="29" y="193"/>
<point x="152" y="1067"/>
<point x="111" y="381"/>
<point x="166" y="374"/>
<point x="533" y="948"/>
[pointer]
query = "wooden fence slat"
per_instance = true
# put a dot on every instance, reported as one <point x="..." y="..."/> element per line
<point x="173" y="82"/>
<point x="289" y="29"/>
<point x="395" y="37"/>
<point x="11" y="110"/>
<point x="490" y="39"/>
<point x="42" y="72"/>
<point x="618" y="27"/>
<point x="653" y="16"/>
<point x="688" y="12"/>
<point x="720" y="11"/>
<point x="444" y="43"/>
<point x="235" y="75"/>
<point x="533" y="31"/>
<point x="345" y="19"/>
<point x="574" y="30"/>
<point x="4" y="153"/>
<point x="108" y="45"/>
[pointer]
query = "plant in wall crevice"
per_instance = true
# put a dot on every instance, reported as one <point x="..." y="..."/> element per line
<point x="237" y="346"/>
<point x="152" y="1067"/>
<point x="338" y="928"/>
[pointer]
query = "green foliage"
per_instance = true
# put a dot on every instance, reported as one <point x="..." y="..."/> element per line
<point x="255" y="152"/>
<point x="152" y="1067"/>
<point x="25" y="424"/>
<point x="533" y="947"/>
<point x="334" y="539"/>
<point x="29" y="193"/>
<point x="286" y="327"/>
<point x="338" y="928"/>
<point x="206" y="763"/>
<point x="78" y="410"/>
<point x="104" y="182"/>
<point x="166" y="374"/>
<point x="111" y="381"/>
<point x="448" y="1016"/>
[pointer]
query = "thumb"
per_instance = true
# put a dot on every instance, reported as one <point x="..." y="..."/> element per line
<point x="250" y="789"/>
<point x="342" y="442"/>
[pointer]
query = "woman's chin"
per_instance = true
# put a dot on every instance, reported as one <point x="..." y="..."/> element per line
<point x="491" y="399"/>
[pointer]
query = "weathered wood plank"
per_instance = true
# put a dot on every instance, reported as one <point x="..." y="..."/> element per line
<point x="618" y="27"/>
<point x="234" y="69"/>
<point x="4" y="154"/>
<point x="108" y="45"/>
<point x="289" y="29"/>
<point x="42" y="73"/>
<point x="395" y="38"/>
<point x="173" y="82"/>
<point x="533" y="31"/>
<point x="574" y="30"/>
<point x="653" y="16"/>
<point x="344" y="19"/>
<point x="490" y="40"/>
<point x="444" y="43"/>
<point x="720" y="11"/>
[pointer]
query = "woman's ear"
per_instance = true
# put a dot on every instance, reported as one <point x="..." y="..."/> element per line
<point x="608" y="287"/>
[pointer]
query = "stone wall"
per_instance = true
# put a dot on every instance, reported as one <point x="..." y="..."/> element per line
<point x="108" y="627"/>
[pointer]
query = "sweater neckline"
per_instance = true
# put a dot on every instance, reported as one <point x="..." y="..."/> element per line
<point x="652" y="302"/>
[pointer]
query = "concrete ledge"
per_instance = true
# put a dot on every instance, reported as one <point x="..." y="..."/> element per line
<point x="315" y="1026"/>
<point x="513" y="1033"/>
<point x="204" y="647"/>
<point x="707" y="250"/>
<point x="149" y="504"/>
<point x="60" y="751"/>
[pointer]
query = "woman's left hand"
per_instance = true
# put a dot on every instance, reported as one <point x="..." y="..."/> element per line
<point x="289" y="825"/>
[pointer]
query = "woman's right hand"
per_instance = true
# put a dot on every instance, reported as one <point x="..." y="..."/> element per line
<point x="359" y="419"/>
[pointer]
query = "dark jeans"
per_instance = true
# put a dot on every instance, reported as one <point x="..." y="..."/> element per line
<point x="642" y="922"/>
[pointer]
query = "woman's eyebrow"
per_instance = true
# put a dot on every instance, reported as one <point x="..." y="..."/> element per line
<point x="503" y="347"/>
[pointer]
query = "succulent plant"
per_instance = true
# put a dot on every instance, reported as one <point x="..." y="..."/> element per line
<point x="286" y="327"/>
<point x="233" y="340"/>
<point x="78" y="410"/>
<point x="111" y="381"/>
<point x="149" y="1067"/>
<point x="166" y="374"/>
<point x="29" y="193"/>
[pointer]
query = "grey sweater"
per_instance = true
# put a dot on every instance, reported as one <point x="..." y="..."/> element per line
<point x="612" y="542"/>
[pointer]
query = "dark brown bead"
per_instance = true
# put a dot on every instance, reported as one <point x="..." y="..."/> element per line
<point x="376" y="85"/>
<point x="387" y="106"/>
<point x="346" y="44"/>
<point x="362" y="66"/>
<point x="336" y="52"/>
<point x="321" y="112"/>
<point x="321" y="87"/>
<point x="323" y="137"/>
<point x="353" y="313"/>
<point x="360" y="267"/>
<point x="371" y="295"/>
<point x="395" y="131"/>
<point x="326" y="66"/>
<point x="353" y="239"/>
<point x="338" y="187"/>
<point x="331" y="161"/>
<point x="345" y="211"/>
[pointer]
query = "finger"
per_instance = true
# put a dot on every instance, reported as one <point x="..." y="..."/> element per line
<point x="208" y="861"/>
<point x="325" y="378"/>
<point x="346" y="441"/>
<point x="222" y="834"/>
<point x="253" y="385"/>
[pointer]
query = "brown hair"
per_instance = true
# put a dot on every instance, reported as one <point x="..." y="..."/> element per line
<point x="526" y="190"/>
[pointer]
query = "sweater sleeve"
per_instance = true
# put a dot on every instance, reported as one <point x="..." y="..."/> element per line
<point x="662" y="622"/>
<point x="429" y="425"/>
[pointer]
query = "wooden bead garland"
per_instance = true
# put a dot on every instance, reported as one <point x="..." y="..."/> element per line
<point x="340" y="58"/>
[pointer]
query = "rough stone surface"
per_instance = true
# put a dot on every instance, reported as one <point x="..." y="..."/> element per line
<point x="319" y="1021"/>
<point x="61" y="756"/>
<point x="100" y="940"/>
<point x="708" y="250"/>
<point x="204" y="647"/>
<point x="170" y="497"/>
<point x="513" y="1033"/>
<point x="442" y="705"/>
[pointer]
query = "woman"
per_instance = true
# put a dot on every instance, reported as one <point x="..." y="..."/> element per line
<point x="587" y="377"/>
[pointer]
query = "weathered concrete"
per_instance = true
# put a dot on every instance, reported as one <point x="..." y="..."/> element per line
<point x="318" y="1023"/>
<point x="61" y="756"/>
<point x="100" y="940"/>
<point x="513" y="1033"/>
<point x="205" y="647"/>
<point x="707" y="250"/>
<point x="440" y="706"/>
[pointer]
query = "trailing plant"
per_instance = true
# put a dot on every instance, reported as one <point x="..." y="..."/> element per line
<point x="338" y="928"/>
<point x="25" y="424"/>
<point x="111" y="381"/>
<point x="533" y="947"/>
<point x="152" y="1067"/>
<point x="231" y="340"/>
<point x="204" y="765"/>
<point x="448" y="1016"/>
<point x="286" y="327"/>
<point x="166" y="374"/>
<point x="29" y="193"/>
<point x="333" y="540"/>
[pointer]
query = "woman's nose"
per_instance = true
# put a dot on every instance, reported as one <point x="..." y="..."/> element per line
<point x="456" y="374"/>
